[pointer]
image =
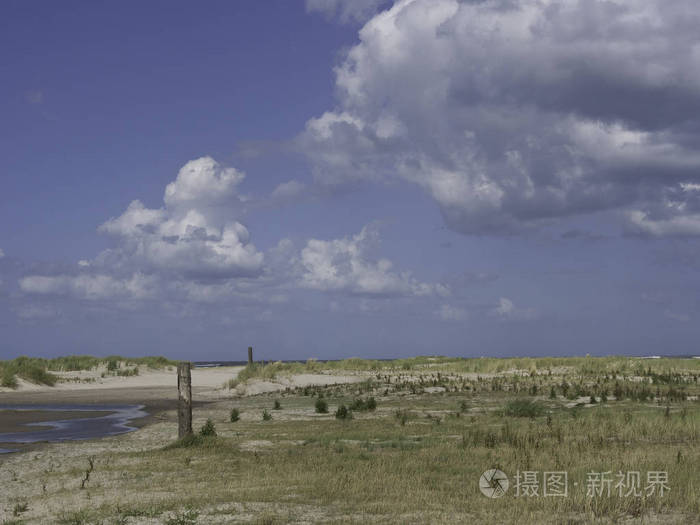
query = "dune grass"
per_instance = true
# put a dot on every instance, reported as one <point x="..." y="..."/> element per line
<point x="663" y="370"/>
<point x="39" y="370"/>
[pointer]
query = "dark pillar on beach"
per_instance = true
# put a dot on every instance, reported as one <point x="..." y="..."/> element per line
<point x="184" y="401"/>
<point x="250" y="355"/>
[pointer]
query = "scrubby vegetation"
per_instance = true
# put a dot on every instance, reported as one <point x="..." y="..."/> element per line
<point x="321" y="406"/>
<point x="343" y="412"/>
<point x="416" y="457"/>
<point x="656" y="371"/>
<point x="208" y="429"/>
<point x="7" y="378"/>
<point x="359" y="404"/>
<point x="30" y="369"/>
<point x="39" y="370"/>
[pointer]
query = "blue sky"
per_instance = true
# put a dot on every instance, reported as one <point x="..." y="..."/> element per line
<point x="332" y="178"/>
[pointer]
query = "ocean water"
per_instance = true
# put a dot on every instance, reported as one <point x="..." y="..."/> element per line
<point x="116" y="422"/>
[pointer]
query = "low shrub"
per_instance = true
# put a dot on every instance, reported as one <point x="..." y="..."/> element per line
<point x="208" y="429"/>
<point x="266" y="416"/>
<point x="37" y="375"/>
<point x="360" y="404"/>
<point x="343" y="413"/>
<point x="8" y="379"/>
<point x="235" y="415"/>
<point x="20" y="508"/>
<point x="321" y="406"/>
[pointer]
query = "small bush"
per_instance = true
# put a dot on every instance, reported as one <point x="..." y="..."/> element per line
<point x="20" y="508"/>
<point x="266" y="416"/>
<point x="523" y="408"/>
<point x="235" y="415"/>
<point x="321" y="406"/>
<point x="208" y="429"/>
<point x="8" y="379"/>
<point x="490" y="440"/>
<point x="360" y="404"/>
<point x="37" y="375"/>
<point x="277" y="405"/>
<point x="343" y="413"/>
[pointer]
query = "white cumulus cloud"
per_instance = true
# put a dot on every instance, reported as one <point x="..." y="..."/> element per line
<point x="343" y="265"/>
<point x="193" y="237"/>
<point x="187" y="236"/>
<point x="203" y="181"/>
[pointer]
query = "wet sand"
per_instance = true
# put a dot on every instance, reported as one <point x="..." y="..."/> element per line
<point x="157" y="402"/>
<point x="19" y="420"/>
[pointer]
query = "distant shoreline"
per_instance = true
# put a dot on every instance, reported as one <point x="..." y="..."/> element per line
<point x="214" y="363"/>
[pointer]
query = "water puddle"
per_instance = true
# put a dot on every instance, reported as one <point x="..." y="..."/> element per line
<point x="115" y="422"/>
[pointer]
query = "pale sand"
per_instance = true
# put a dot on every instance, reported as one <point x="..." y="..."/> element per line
<point x="258" y="386"/>
<point x="148" y="378"/>
<point x="153" y="385"/>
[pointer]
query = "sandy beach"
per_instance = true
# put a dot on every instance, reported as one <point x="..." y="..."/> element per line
<point x="155" y="389"/>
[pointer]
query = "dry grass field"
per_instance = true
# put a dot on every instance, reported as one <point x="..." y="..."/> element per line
<point x="416" y="437"/>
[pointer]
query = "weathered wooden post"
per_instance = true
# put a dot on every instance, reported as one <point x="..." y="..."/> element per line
<point x="184" y="401"/>
<point x="250" y="355"/>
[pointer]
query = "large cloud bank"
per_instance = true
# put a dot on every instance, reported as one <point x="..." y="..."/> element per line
<point x="511" y="114"/>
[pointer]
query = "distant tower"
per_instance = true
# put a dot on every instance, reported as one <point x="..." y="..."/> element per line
<point x="250" y="355"/>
